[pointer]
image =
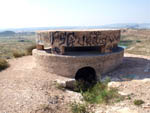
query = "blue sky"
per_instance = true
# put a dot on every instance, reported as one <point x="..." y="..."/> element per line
<point x="43" y="13"/>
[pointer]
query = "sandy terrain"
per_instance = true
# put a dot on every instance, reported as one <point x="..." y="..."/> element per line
<point x="25" y="88"/>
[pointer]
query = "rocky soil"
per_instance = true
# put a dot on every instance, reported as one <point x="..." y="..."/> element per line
<point x="25" y="88"/>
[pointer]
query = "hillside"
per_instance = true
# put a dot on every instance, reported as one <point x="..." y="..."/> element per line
<point x="7" y="33"/>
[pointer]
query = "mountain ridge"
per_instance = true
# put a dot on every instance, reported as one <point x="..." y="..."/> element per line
<point x="108" y="26"/>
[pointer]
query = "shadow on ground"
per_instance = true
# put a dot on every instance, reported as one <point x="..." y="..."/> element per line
<point x="132" y="68"/>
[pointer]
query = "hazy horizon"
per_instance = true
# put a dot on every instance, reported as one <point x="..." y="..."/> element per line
<point x="54" y="13"/>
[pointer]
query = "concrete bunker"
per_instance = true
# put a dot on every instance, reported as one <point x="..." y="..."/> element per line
<point x="79" y="54"/>
<point x="86" y="74"/>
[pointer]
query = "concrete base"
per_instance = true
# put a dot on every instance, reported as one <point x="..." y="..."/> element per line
<point x="68" y="65"/>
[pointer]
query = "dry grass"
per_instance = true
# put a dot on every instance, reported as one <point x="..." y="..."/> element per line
<point x="30" y="48"/>
<point x="18" y="54"/>
<point x="98" y="93"/>
<point x="28" y="51"/>
<point x="3" y="64"/>
<point x="101" y="94"/>
<point x="137" y="41"/>
<point x="10" y="44"/>
<point x="138" y="102"/>
<point x="79" y="107"/>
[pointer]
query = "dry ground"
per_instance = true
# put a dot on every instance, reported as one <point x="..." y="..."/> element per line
<point x="137" y="41"/>
<point x="8" y="44"/>
<point x="24" y="88"/>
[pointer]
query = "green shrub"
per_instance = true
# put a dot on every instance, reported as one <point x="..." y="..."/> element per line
<point x="100" y="93"/>
<point x="96" y="93"/>
<point x="17" y="54"/>
<point x="126" y="43"/>
<point x="60" y="87"/>
<point x="29" y="49"/>
<point x="79" y="108"/>
<point x="138" y="102"/>
<point x="138" y="41"/>
<point x="3" y="64"/>
<point x="82" y="86"/>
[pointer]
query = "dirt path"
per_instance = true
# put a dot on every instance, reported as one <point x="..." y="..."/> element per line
<point x="24" y="88"/>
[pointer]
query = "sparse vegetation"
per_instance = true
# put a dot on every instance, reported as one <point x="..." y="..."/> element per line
<point x="136" y="41"/>
<point x="3" y="64"/>
<point x="30" y="48"/>
<point x="98" y="93"/>
<point x="82" y="86"/>
<point x="138" y="102"/>
<point x="126" y="43"/>
<point x="28" y="51"/>
<point x="18" y="42"/>
<point x="18" y="54"/>
<point x="79" y="108"/>
<point x="101" y="94"/>
<point x="128" y="97"/>
<point x="60" y="86"/>
<point x="44" y="108"/>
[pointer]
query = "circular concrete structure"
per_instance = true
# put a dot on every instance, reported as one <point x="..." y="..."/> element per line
<point x="68" y="65"/>
<point x="61" y="40"/>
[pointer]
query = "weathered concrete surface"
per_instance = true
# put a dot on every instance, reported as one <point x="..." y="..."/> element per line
<point x="106" y="40"/>
<point x="68" y="65"/>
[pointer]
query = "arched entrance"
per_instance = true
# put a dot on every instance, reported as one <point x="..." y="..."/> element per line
<point x="86" y="74"/>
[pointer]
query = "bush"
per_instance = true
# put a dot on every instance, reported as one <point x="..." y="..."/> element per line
<point x="79" y="108"/>
<point x="29" y="49"/>
<point x="97" y="93"/>
<point x="100" y="93"/>
<point x="3" y="64"/>
<point x="138" y="41"/>
<point x="60" y="86"/>
<point x="82" y="86"/>
<point x="17" y="54"/>
<point x="138" y="102"/>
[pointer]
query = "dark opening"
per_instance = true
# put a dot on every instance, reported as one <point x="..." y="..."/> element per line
<point x="86" y="74"/>
<point x="82" y="49"/>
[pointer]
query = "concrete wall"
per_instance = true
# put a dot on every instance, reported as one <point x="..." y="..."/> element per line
<point x="67" y="65"/>
<point x="105" y="39"/>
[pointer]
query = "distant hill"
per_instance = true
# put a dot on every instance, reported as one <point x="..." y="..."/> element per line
<point x="7" y="33"/>
<point x="12" y="33"/>
<point x="130" y="26"/>
<point x="109" y="26"/>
